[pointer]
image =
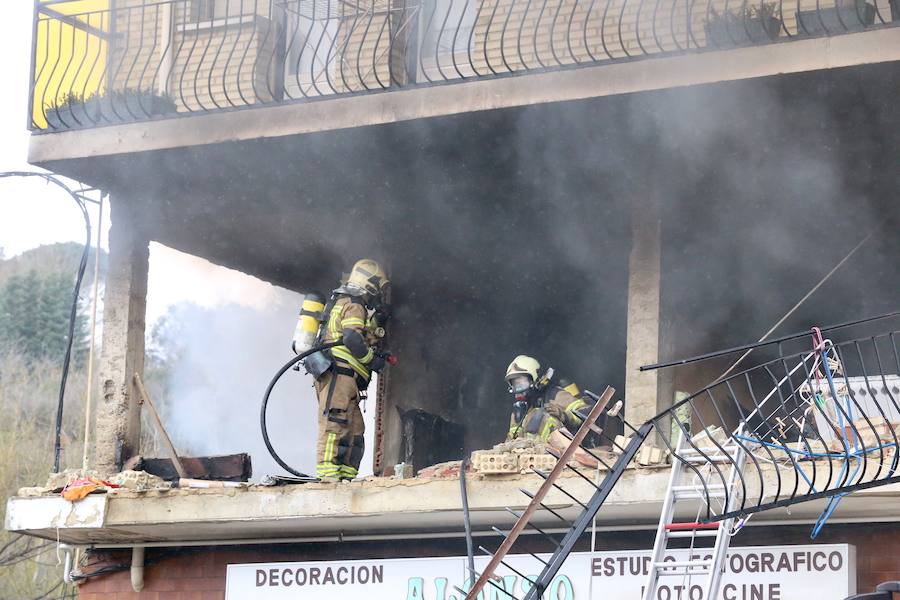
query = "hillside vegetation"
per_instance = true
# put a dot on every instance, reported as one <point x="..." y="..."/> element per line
<point x="35" y="301"/>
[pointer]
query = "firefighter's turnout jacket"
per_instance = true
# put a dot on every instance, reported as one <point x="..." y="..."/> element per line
<point x="553" y="409"/>
<point x="340" y="446"/>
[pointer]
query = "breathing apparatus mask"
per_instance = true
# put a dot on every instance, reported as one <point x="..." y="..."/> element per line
<point x="526" y="391"/>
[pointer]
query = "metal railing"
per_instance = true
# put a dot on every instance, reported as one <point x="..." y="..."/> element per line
<point x="820" y="422"/>
<point x="147" y="59"/>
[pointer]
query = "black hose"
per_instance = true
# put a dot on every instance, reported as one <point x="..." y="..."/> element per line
<point x="265" y="403"/>
<point x="50" y="178"/>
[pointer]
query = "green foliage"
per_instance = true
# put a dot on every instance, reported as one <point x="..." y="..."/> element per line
<point x="35" y="302"/>
<point x="28" y="389"/>
<point x="34" y="316"/>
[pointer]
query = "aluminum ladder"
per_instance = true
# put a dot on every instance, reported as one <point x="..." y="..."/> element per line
<point x="684" y="484"/>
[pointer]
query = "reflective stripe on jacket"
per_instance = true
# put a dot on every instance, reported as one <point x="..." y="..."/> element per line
<point x="349" y="313"/>
<point x="557" y="412"/>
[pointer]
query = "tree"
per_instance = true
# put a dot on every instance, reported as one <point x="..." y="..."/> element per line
<point x="34" y="316"/>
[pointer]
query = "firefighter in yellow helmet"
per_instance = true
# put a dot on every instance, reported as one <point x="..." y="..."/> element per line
<point x="355" y="313"/>
<point x="541" y="404"/>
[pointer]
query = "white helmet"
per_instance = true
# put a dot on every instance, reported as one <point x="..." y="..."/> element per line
<point x="522" y="373"/>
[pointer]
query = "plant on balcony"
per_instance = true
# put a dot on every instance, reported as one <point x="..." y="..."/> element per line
<point x="753" y="24"/>
<point x="837" y="16"/>
<point x="116" y="106"/>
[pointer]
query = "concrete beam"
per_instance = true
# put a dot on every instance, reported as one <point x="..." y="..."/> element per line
<point x="412" y="508"/>
<point x="642" y="331"/>
<point x="794" y="56"/>
<point x="122" y="354"/>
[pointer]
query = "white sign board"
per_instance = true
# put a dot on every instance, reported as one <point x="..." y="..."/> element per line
<point x="823" y="572"/>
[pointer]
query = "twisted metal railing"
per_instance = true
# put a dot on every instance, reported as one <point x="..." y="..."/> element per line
<point x="817" y="422"/>
<point x="97" y="63"/>
<point x="814" y="423"/>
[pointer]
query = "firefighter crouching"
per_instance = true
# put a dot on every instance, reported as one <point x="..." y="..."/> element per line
<point x="354" y="313"/>
<point x="542" y="405"/>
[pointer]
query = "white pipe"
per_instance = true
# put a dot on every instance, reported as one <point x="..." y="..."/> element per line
<point x="67" y="564"/>
<point x="137" y="568"/>
<point x="90" y="366"/>
<point x="452" y="535"/>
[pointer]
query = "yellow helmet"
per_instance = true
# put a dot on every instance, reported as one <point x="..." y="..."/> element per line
<point x="521" y="366"/>
<point x="369" y="276"/>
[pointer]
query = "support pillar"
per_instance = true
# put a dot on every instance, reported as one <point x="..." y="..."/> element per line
<point x="643" y="327"/>
<point x="122" y="354"/>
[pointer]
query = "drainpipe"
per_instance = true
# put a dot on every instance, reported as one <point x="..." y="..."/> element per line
<point x="67" y="564"/>
<point x="137" y="568"/>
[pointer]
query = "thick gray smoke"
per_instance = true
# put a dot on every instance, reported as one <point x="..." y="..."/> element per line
<point x="223" y="359"/>
<point x="508" y="231"/>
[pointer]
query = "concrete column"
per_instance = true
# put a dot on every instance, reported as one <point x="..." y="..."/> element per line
<point x="643" y="329"/>
<point x="122" y="353"/>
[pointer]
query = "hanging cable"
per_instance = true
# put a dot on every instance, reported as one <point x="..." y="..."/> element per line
<point x="82" y="266"/>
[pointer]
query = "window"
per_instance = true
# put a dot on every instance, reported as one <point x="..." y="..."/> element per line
<point x="207" y="10"/>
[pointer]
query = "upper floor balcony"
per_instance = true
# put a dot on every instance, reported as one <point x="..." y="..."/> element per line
<point x="105" y="62"/>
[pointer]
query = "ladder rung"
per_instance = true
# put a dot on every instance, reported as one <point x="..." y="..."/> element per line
<point x="699" y="460"/>
<point x="690" y="526"/>
<point x="687" y="572"/>
<point x="698" y="494"/>
<point x="684" y="564"/>
<point x="693" y="533"/>
<point x="689" y="488"/>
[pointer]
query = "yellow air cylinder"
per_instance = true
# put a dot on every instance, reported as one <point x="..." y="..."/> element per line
<point x="312" y="313"/>
<point x="572" y="389"/>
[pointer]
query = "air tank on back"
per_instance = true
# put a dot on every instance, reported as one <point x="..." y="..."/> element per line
<point x="311" y="317"/>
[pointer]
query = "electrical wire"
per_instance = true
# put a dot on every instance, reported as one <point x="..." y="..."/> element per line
<point x="82" y="266"/>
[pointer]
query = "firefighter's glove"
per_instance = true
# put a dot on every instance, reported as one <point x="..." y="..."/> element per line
<point x="381" y="359"/>
<point x="355" y="343"/>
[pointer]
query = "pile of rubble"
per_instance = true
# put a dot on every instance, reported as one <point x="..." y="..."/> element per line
<point x="77" y="483"/>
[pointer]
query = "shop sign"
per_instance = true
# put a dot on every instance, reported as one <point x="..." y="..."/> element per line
<point x="823" y="572"/>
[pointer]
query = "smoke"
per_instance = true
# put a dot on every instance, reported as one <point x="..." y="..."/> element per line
<point x="508" y="231"/>
<point x="220" y="347"/>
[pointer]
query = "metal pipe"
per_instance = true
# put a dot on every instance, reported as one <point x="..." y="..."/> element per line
<point x="67" y="563"/>
<point x="90" y="366"/>
<point x="786" y="338"/>
<point x="796" y="306"/>
<point x="470" y="547"/>
<point x="455" y="534"/>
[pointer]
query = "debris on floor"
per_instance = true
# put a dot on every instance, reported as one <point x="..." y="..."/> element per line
<point x="444" y="469"/>
<point x="80" y="488"/>
<point x="139" y="481"/>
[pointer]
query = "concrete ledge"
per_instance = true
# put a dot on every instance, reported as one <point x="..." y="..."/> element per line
<point x="794" y="56"/>
<point x="368" y="510"/>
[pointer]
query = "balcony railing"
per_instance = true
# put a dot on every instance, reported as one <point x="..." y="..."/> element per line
<point x="98" y="64"/>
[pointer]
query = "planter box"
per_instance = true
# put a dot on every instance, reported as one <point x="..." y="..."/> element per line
<point x="126" y="107"/>
<point x="118" y="107"/>
<point x="844" y="15"/>
<point x="735" y="30"/>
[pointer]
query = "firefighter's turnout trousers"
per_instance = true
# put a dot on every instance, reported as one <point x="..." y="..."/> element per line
<point x="341" y="444"/>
